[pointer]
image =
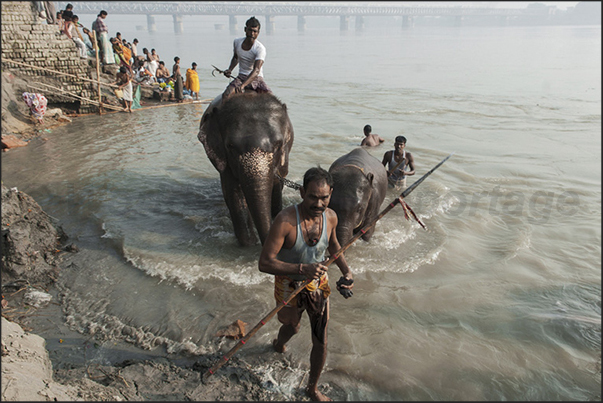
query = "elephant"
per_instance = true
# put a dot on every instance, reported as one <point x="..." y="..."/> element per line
<point x="359" y="188"/>
<point x="248" y="138"/>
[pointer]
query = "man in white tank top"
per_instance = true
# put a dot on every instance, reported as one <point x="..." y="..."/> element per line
<point x="249" y="54"/>
<point x="401" y="159"/>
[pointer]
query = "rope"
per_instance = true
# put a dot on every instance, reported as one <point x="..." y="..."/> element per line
<point x="63" y="92"/>
<point x="408" y="212"/>
<point x="351" y="165"/>
<point x="7" y="60"/>
<point x="289" y="183"/>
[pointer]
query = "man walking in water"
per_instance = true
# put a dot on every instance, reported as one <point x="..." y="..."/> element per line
<point x="249" y="54"/>
<point x="371" y="140"/>
<point x="293" y="252"/>
<point x="400" y="158"/>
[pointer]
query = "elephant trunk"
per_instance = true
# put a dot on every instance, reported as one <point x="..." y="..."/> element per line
<point x="345" y="232"/>
<point x="257" y="178"/>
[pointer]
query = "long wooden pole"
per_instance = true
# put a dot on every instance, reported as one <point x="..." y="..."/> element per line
<point x="7" y="60"/>
<point x="118" y="109"/>
<point x="73" y="95"/>
<point x="100" y="102"/>
<point x="144" y="107"/>
<point x="172" y="104"/>
<point x="331" y="259"/>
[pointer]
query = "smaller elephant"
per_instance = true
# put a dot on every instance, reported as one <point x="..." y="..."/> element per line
<point x="359" y="188"/>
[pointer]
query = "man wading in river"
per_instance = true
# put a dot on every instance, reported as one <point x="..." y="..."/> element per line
<point x="293" y="252"/>
<point x="397" y="160"/>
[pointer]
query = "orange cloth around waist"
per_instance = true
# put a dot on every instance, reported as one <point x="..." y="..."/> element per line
<point x="284" y="286"/>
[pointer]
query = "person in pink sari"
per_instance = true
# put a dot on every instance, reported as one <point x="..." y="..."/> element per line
<point x="37" y="105"/>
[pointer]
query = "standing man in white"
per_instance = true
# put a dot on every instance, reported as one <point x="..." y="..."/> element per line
<point x="249" y="54"/>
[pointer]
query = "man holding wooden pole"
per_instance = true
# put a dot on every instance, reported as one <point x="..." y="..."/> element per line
<point x="294" y="252"/>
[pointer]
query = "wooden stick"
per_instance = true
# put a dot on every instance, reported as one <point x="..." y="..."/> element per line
<point x="100" y="103"/>
<point x="170" y="104"/>
<point x="117" y="109"/>
<point x="331" y="259"/>
<point x="137" y="109"/>
<point x="5" y="59"/>
<point x="396" y="167"/>
<point x="74" y="95"/>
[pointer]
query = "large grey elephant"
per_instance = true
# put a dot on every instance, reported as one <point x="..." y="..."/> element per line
<point x="248" y="139"/>
<point x="360" y="185"/>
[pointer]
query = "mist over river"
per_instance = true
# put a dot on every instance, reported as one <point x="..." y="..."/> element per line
<point x="500" y="299"/>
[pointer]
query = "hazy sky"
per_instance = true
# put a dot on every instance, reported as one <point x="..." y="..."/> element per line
<point x="522" y="4"/>
<point x="498" y="4"/>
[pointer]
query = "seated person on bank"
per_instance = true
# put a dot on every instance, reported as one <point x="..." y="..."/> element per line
<point x="162" y="74"/>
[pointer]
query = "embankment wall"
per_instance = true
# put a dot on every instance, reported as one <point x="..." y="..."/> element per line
<point x="26" y="38"/>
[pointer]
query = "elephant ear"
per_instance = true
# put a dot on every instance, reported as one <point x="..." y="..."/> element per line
<point x="370" y="178"/>
<point x="211" y="137"/>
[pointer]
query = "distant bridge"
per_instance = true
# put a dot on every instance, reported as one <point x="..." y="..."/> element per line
<point x="270" y="10"/>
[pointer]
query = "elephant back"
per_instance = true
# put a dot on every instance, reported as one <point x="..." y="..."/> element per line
<point x="359" y="159"/>
<point x="248" y="107"/>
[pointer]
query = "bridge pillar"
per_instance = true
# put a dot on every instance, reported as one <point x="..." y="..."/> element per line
<point x="269" y="24"/>
<point x="151" y="23"/>
<point x="232" y="23"/>
<point x="408" y="21"/>
<point x="359" y="23"/>
<point x="344" y="21"/>
<point x="177" y="23"/>
<point x="301" y="23"/>
<point x="458" y="20"/>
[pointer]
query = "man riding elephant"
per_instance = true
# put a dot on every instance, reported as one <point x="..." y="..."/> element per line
<point x="249" y="54"/>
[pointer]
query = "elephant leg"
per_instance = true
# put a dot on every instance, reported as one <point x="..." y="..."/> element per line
<point x="368" y="234"/>
<point x="239" y="213"/>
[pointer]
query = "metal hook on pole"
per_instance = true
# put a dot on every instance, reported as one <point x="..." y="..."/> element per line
<point x="219" y="71"/>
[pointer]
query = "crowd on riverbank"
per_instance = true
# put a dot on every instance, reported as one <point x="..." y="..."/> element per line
<point x="136" y="65"/>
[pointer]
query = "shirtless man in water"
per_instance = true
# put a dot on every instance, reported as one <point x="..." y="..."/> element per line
<point x="293" y="252"/>
<point x="371" y="140"/>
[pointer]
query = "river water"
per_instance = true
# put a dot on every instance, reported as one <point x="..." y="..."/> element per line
<point x="500" y="299"/>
